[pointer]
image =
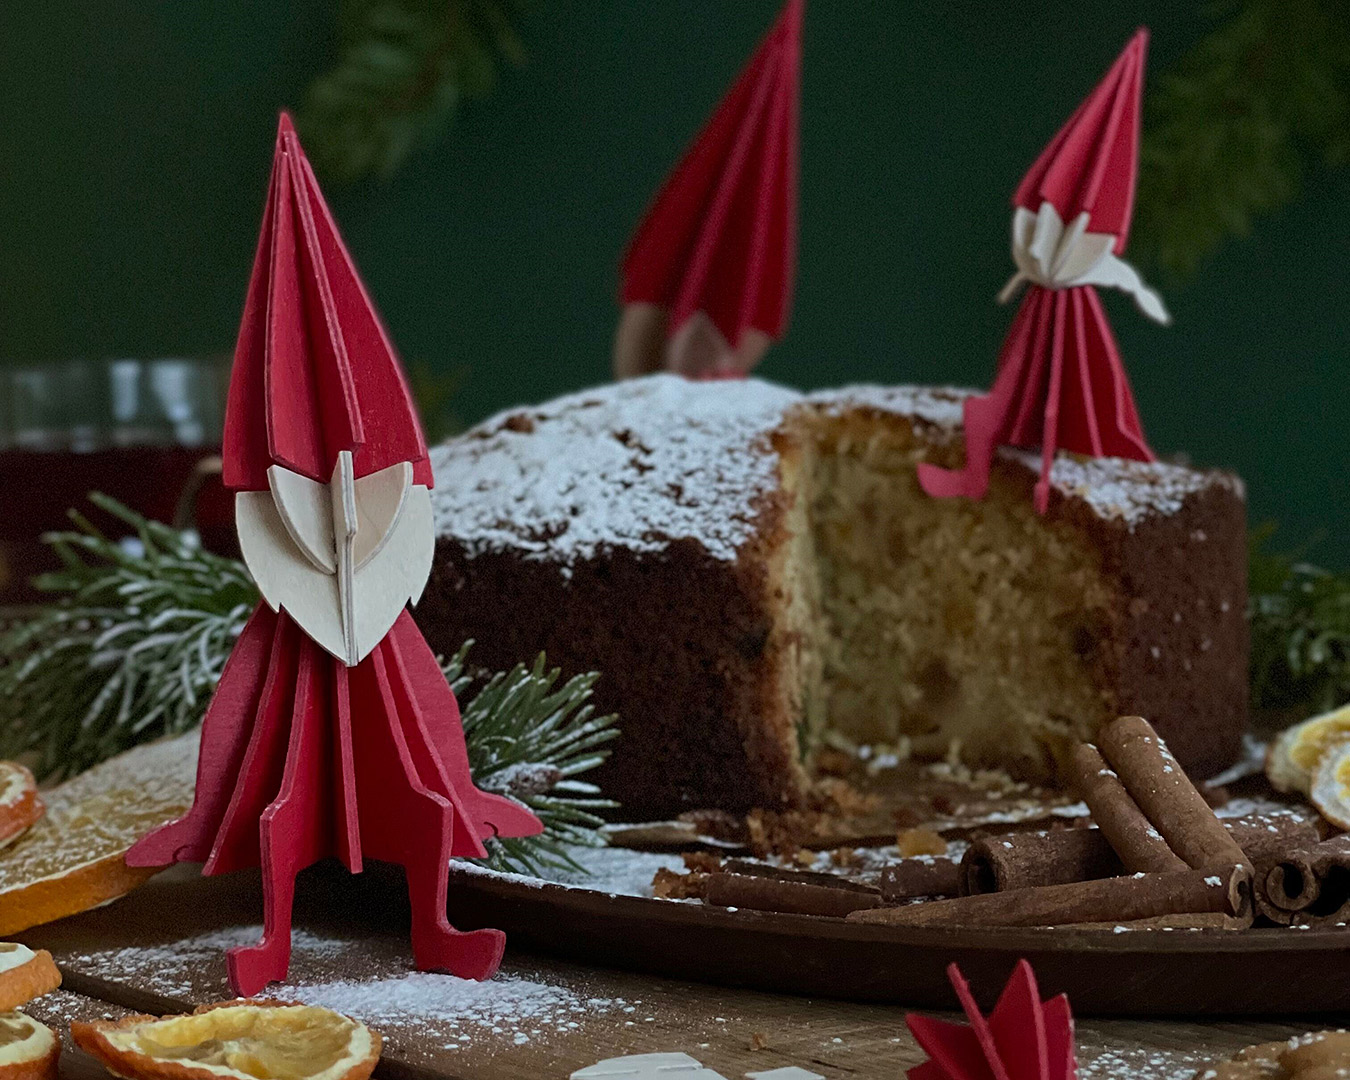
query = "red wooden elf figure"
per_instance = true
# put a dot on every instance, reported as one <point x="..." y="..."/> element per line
<point x="707" y="280"/>
<point x="1024" y="1038"/>
<point x="333" y="731"/>
<point x="1061" y="384"/>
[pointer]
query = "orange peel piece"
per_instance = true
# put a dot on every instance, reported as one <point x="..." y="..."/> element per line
<point x="242" y="1039"/>
<point x="20" y="804"/>
<point x="1294" y="754"/>
<point x="28" y="1050"/>
<point x="25" y="974"/>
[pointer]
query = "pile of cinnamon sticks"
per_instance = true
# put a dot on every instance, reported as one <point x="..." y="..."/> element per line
<point x="1154" y="856"/>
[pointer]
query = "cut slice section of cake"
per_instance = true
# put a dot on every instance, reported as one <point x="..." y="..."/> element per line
<point x="747" y="566"/>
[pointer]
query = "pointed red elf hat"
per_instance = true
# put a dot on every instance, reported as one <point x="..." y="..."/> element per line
<point x="717" y="249"/>
<point x="314" y="371"/>
<point x="1090" y="165"/>
<point x="1024" y="1038"/>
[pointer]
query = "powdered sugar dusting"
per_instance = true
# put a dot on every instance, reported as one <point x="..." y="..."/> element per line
<point x="1125" y="490"/>
<point x="173" y="970"/>
<point x="1135" y="1063"/>
<point x="640" y="464"/>
<point x="938" y="407"/>
<point x="615" y="871"/>
<point x="454" y="1010"/>
<point x="634" y="465"/>
<point x="408" y="1006"/>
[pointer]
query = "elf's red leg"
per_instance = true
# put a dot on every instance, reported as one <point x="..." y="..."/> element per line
<point x="252" y="967"/>
<point x="438" y="946"/>
<point x="403" y="821"/>
<point x="292" y="831"/>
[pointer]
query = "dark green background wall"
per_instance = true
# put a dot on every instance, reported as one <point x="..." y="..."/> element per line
<point x="135" y="140"/>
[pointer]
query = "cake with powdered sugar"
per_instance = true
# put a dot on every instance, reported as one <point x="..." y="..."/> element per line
<point x="748" y="566"/>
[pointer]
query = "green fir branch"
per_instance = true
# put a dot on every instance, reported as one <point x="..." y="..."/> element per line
<point x="1231" y="130"/>
<point x="403" y="68"/>
<point x="133" y="650"/>
<point x="134" y="643"/>
<point x="530" y="738"/>
<point x="1300" y="632"/>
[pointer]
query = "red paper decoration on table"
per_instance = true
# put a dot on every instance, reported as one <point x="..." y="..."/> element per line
<point x="1061" y="383"/>
<point x="707" y="280"/>
<point x="333" y="732"/>
<point x="1024" y="1038"/>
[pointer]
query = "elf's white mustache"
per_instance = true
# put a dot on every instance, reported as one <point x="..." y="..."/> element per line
<point x="1049" y="255"/>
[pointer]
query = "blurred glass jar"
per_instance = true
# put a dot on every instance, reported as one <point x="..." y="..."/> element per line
<point x="86" y="405"/>
<point x="134" y="429"/>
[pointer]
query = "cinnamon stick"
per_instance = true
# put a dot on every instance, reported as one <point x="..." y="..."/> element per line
<point x="791" y="897"/>
<point x="919" y="876"/>
<point x="1058" y="856"/>
<point x="805" y="877"/>
<point x="1311" y="886"/>
<point x="1140" y="846"/>
<point x="1163" y="791"/>
<point x="1027" y="860"/>
<point x="1113" y="900"/>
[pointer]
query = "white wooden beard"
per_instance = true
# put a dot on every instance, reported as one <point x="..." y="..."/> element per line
<point x="342" y="559"/>
<point x="1055" y="257"/>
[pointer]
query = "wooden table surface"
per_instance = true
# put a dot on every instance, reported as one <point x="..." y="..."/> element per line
<point x="160" y="949"/>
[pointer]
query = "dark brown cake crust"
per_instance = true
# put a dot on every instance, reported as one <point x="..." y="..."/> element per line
<point x="679" y="638"/>
<point x="1180" y="652"/>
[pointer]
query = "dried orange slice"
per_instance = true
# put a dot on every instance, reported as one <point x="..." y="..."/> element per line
<point x="1295" y="752"/>
<point x="72" y="859"/>
<point x="1330" y="791"/>
<point x="249" y="1040"/>
<point x="25" y="974"/>
<point x="20" y="805"/>
<point x="28" y="1050"/>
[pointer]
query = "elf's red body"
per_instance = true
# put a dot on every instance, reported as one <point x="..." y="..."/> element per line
<point x="1061" y="383"/>
<point x="306" y="754"/>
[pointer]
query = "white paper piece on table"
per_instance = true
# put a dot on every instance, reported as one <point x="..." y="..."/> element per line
<point x="792" y="1072"/>
<point x="1049" y="255"/>
<point x="648" y="1067"/>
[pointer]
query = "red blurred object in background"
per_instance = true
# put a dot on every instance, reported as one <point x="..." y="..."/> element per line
<point x="142" y="432"/>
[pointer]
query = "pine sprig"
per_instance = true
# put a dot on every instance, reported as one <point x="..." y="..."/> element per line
<point x="1231" y="130"/>
<point x="132" y="653"/>
<point x="134" y="643"/>
<point x="530" y="738"/>
<point x="404" y="66"/>
<point x="1300" y="627"/>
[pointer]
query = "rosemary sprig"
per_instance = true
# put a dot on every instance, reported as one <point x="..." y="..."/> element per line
<point x="134" y="642"/>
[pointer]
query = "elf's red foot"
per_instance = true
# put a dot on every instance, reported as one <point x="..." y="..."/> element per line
<point x="252" y="967"/>
<point x="471" y="954"/>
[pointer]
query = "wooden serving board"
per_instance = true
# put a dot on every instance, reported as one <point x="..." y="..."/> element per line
<point x="1105" y="973"/>
<point x="159" y="950"/>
